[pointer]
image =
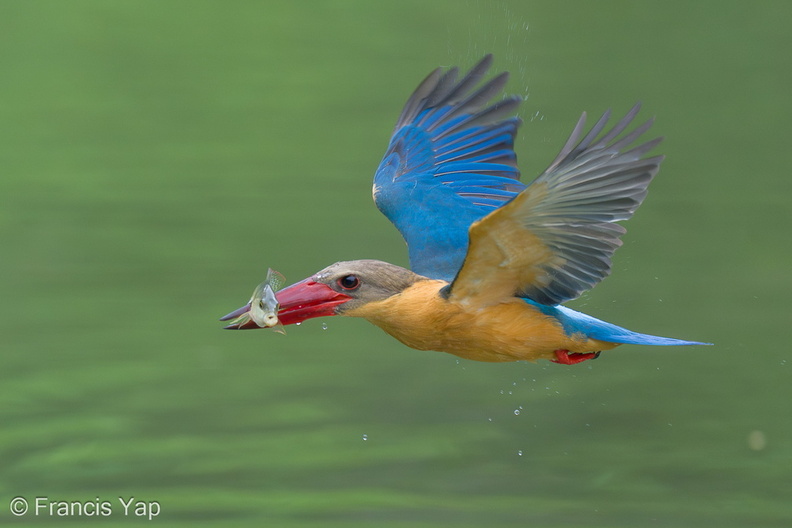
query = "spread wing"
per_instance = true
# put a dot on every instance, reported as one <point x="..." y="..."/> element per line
<point x="450" y="162"/>
<point x="555" y="239"/>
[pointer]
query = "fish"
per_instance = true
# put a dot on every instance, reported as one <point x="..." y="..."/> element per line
<point x="263" y="304"/>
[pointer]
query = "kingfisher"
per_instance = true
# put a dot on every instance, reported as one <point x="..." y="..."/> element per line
<point x="492" y="260"/>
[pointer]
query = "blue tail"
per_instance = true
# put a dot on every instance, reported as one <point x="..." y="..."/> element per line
<point x="580" y="323"/>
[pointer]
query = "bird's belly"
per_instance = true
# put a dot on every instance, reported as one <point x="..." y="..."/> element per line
<point x="508" y="331"/>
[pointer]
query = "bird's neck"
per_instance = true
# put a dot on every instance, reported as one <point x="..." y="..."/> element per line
<point x="410" y="316"/>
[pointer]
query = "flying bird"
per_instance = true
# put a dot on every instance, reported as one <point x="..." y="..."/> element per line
<point x="492" y="259"/>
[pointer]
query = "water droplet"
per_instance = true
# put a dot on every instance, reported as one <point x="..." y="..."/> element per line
<point x="324" y="326"/>
<point x="516" y="412"/>
<point x="519" y="452"/>
<point x="297" y="324"/>
<point x="489" y="419"/>
<point x="365" y="437"/>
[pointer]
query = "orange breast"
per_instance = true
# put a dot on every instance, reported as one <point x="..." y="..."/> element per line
<point x="514" y="330"/>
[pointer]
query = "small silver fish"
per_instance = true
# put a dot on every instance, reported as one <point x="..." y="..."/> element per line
<point x="263" y="304"/>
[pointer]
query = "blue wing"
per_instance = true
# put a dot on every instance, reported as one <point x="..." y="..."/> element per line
<point x="449" y="163"/>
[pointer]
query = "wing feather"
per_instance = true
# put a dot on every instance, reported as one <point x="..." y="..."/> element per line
<point x="450" y="161"/>
<point x="556" y="238"/>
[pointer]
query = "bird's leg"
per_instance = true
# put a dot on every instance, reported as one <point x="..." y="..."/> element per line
<point x="564" y="357"/>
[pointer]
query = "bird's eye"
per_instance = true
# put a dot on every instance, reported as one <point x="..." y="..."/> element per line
<point x="349" y="282"/>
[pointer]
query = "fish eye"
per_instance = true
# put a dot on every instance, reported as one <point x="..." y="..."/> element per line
<point x="349" y="282"/>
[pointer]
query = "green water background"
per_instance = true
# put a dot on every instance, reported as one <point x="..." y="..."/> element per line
<point x="157" y="157"/>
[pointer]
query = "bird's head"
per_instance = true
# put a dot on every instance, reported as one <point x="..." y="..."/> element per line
<point x="339" y="288"/>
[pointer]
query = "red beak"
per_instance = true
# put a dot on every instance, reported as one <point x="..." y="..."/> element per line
<point x="300" y="301"/>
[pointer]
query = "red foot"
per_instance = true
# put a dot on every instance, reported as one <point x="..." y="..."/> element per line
<point x="564" y="357"/>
